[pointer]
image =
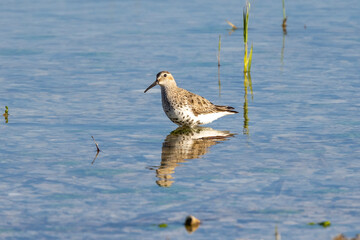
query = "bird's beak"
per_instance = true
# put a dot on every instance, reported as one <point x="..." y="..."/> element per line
<point x="152" y="85"/>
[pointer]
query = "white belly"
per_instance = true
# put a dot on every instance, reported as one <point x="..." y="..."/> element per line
<point x="185" y="116"/>
<point x="181" y="114"/>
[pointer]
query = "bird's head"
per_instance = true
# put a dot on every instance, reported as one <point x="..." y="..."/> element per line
<point x="163" y="78"/>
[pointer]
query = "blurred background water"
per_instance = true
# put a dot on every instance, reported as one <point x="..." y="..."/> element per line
<point x="70" y="70"/>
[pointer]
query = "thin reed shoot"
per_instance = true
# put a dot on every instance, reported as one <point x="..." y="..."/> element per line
<point x="218" y="56"/>
<point x="247" y="54"/>
<point x="284" y="17"/>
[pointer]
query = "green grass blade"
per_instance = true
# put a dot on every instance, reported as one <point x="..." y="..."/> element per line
<point x="283" y="5"/>
<point x="219" y="42"/>
<point x="218" y="56"/>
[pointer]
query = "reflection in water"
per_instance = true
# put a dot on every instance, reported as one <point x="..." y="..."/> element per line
<point x="247" y="85"/>
<point x="191" y="229"/>
<point x="282" y="50"/>
<point x="219" y="82"/>
<point x="185" y="143"/>
<point x="277" y="234"/>
<point x="97" y="153"/>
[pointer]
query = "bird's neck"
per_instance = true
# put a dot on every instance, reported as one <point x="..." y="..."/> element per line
<point x="169" y="87"/>
<point x="168" y="92"/>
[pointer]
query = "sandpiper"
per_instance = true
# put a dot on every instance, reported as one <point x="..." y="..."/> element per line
<point x="185" y="108"/>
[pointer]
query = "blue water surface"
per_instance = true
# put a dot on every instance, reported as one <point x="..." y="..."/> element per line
<point x="70" y="70"/>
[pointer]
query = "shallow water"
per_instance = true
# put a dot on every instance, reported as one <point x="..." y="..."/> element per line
<point x="72" y="70"/>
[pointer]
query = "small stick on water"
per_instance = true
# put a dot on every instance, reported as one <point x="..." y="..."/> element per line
<point x="97" y="145"/>
<point x="231" y="25"/>
<point x="97" y="150"/>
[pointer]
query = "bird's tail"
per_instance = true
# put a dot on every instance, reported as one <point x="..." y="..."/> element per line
<point x="226" y="109"/>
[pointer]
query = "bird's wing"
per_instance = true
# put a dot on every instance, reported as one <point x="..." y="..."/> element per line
<point x="198" y="104"/>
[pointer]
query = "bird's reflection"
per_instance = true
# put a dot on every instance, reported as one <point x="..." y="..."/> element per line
<point x="185" y="143"/>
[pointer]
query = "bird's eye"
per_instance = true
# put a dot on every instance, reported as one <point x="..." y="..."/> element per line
<point x="165" y="75"/>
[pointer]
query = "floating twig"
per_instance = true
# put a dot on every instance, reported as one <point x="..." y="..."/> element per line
<point x="97" y="145"/>
<point x="97" y="150"/>
<point x="232" y="25"/>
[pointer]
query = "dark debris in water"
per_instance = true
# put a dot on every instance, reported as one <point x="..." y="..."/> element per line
<point x="324" y="224"/>
<point x="191" y="224"/>
<point x="97" y="150"/>
<point x="6" y="114"/>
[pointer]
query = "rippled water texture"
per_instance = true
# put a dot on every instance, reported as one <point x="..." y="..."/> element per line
<point x="70" y="70"/>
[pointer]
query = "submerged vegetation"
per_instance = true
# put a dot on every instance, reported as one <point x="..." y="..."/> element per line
<point x="324" y="224"/>
<point x="162" y="225"/>
<point x="184" y="130"/>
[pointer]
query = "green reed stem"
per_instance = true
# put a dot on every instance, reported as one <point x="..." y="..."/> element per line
<point x="247" y="57"/>
<point x="283" y="5"/>
<point x="219" y="50"/>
